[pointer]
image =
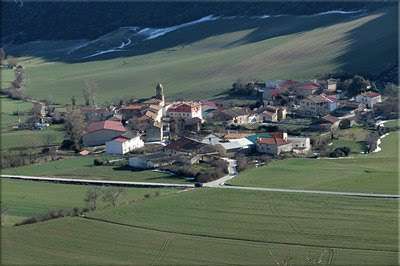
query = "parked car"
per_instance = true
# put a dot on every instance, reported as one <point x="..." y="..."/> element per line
<point x="198" y="184"/>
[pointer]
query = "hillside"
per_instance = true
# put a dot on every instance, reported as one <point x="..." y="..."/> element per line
<point x="86" y="20"/>
<point x="201" y="58"/>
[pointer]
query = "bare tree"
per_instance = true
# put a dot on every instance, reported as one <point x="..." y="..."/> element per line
<point x="75" y="126"/>
<point x="3" y="213"/>
<point x="2" y="55"/>
<point x="92" y="196"/>
<point x="112" y="195"/>
<point x="89" y="92"/>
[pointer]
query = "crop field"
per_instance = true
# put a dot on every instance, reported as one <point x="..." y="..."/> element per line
<point x="377" y="172"/>
<point x="292" y="47"/>
<point x="83" y="168"/>
<point x="216" y="226"/>
<point x="24" y="199"/>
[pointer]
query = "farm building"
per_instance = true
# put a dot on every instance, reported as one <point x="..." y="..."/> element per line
<point x="188" y="146"/>
<point x="98" y="133"/>
<point x="123" y="144"/>
<point x="273" y="145"/>
<point x="158" y="159"/>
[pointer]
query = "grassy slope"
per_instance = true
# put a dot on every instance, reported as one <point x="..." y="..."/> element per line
<point x="82" y="167"/>
<point x="350" y="225"/>
<point x="209" y="65"/>
<point x="27" y="198"/>
<point x="376" y="172"/>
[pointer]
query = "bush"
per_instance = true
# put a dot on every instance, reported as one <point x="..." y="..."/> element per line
<point x="242" y="164"/>
<point x="54" y="214"/>
<point x="340" y="152"/>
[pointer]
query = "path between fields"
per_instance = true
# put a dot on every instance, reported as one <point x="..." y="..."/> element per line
<point x="216" y="184"/>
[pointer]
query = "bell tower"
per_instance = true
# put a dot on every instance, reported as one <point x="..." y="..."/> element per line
<point x="160" y="93"/>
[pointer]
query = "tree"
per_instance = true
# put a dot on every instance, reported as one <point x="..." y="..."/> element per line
<point x="357" y="84"/>
<point x="112" y="195"/>
<point x="2" y="55"/>
<point x="73" y="100"/>
<point x="75" y="126"/>
<point x="3" y="213"/>
<point x="92" y="196"/>
<point x="89" y="92"/>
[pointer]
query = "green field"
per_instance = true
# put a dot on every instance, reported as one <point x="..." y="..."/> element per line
<point x="23" y="199"/>
<point x="82" y="167"/>
<point x="17" y="139"/>
<point x="203" y="60"/>
<point x="215" y="227"/>
<point x="377" y="172"/>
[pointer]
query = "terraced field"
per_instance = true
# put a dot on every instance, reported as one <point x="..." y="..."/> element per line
<point x="213" y="227"/>
<point x="377" y="172"/>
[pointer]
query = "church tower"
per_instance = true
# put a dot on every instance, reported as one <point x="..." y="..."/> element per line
<point x="160" y="93"/>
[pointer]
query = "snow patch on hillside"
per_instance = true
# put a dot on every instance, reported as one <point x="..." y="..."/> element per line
<point x="341" y="12"/>
<point x="153" y="33"/>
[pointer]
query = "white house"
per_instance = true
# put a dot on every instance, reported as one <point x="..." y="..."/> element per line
<point x="300" y="145"/>
<point x="369" y="98"/>
<point x="124" y="144"/>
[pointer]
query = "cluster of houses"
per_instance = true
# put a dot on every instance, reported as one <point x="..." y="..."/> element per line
<point x="177" y="124"/>
<point x="314" y="99"/>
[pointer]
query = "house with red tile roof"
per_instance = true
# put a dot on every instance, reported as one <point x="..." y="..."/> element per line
<point x="317" y="105"/>
<point x="98" y="133"/>
<point x="273" y="145"/>
<point x="306" y="89"/>
<point x="369" y="98"/>
<point x="185" y="110"/>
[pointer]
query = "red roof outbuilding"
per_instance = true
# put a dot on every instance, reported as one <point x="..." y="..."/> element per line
<point x="108" y="125"/>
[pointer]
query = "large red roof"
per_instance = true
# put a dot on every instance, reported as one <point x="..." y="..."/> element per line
<point x="370" y="94"/>
<point x="120" y="139"/>
<point x="287" y="84"/>
<point x="272" y="141"/>
<point x="308" y="86"/>
<point x="108" y="124"/>
<point x="185" y="108"/>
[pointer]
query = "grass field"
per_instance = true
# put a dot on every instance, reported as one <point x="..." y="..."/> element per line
<point x="354" y="138"/>
<point x="82" y="167"/>
<point x="23" y="199"/>
<point x="204" y="60"/>
<point x="377" y="172"/>
<point x="215" y="227"/>
<point x="16" y="139"/>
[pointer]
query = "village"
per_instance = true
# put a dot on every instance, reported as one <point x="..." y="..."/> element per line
<point x="289" y="119"/>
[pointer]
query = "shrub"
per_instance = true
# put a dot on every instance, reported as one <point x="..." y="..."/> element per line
<point x="340" y="152"/>
<point x="241" y="164"/>
<point x="147" y="196"/>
